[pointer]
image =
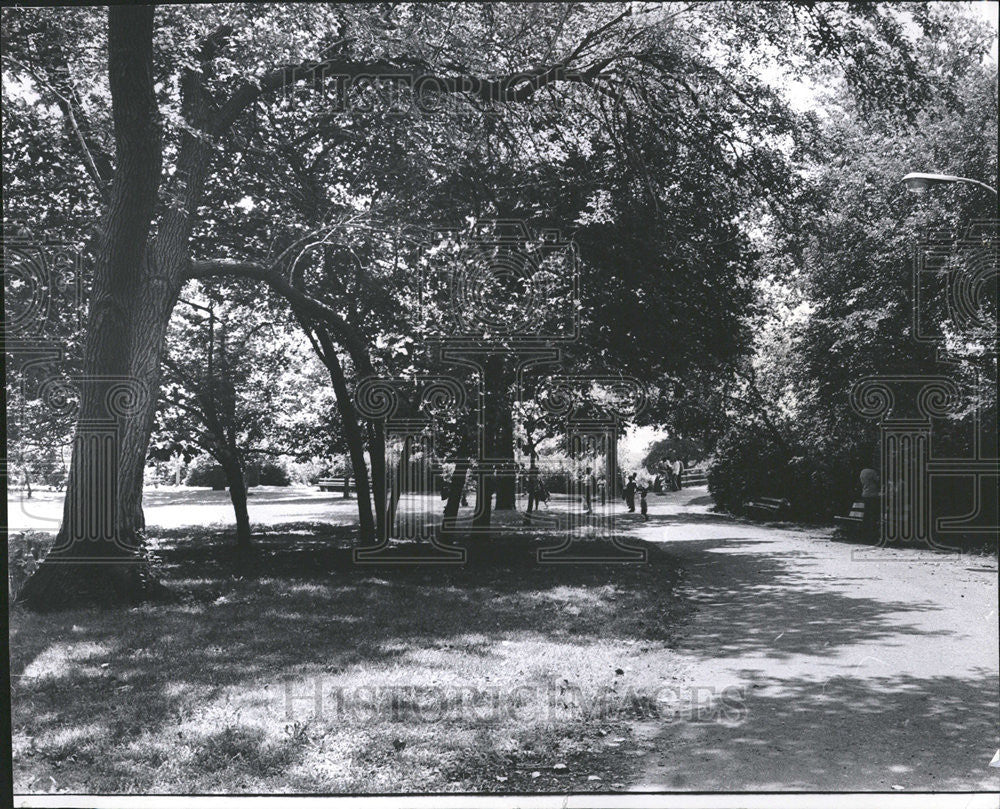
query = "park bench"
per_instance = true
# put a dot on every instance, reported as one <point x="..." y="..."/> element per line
<point x="856" y="515"/>
<point x="341" y="484"/>
<point x="768" y="506"/>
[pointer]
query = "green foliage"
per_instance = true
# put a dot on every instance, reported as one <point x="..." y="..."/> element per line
<point x="25" y="551"/>
<point x="205" y="471"/>
<point x="836" y="301"/>
<point x="673" y="448"/>
<point x="308" y="472"/>
<point x="237" y="382"/>
<point x="818" y="481"/>
<point x="270" y="473"/>
<point x="744" y="466"/>
<point x="665" y="166"/>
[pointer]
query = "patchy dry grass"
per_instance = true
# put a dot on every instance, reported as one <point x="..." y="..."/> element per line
<point x="295" y="670"/>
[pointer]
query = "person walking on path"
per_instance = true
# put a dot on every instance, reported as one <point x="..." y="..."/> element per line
<point x="677" y="467"/>
<point x="643" y="491"/>
<point x="630" y="489"/>
<point x="870" y="484"/>
<point x="589" y="485"/>
<point x="531" y="484"/>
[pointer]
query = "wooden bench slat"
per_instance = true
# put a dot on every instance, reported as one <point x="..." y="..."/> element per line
<point x="771" y="505"/>
<point x="337" y="484"/>
<point x="856" y="514"/>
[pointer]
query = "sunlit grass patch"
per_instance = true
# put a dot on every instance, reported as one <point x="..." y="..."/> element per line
<point x="241" y="748"/>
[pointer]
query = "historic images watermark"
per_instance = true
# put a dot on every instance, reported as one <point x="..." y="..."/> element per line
<point x="955" y="311"/>
<point x="319" y="699"/>
<point x="499" y="303"/>
<point x="377" y="91"/>
<point x="43" y="313"/>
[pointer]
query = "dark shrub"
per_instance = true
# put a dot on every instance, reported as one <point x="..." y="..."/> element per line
<point x="251" y="475"/>
<point x="746" y="465"/>
<point x="273" y="474"/>
<point x="205" y="471"/>
<point x="819" y="477"/>
<point x="555" y="483"/>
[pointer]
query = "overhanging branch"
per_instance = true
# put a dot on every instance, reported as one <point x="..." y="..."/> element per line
<point x="213" y="268"/>
<point x="510" y="88"/>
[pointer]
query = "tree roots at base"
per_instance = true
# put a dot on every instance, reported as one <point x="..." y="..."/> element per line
<point x="66" y="585"/>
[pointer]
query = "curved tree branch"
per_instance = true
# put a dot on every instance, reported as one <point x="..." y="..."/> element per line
<point x="513" y="87"/>
<point x="101" y="179"/>
<point x="346" y="335"/>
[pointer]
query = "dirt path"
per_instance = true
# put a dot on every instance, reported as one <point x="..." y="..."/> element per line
<point x="858" y="668"/>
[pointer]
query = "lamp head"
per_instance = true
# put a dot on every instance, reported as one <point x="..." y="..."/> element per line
<point x="917" y="183"/>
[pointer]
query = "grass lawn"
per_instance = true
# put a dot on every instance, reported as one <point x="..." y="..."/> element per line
<point x="500" y="675"/>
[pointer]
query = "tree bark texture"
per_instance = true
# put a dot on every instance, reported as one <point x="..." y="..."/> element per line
<point x="96" y="557"/>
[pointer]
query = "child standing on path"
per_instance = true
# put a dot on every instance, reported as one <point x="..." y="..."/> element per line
<point x="589" y="486"/>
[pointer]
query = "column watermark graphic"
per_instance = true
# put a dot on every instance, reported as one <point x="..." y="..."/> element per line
<point x="44" y="315"/>
<point x="499" y="305"/>
<point x="954" y="311"/>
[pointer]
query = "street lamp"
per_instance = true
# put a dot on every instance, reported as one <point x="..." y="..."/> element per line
<point x="918" y="182"/>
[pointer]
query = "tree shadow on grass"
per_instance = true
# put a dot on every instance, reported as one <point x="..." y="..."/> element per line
<point x="298" y="607"/>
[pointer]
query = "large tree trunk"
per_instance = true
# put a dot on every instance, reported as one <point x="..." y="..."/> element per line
<point x="484" y="498"/>
<point x="232" y="464"/>
<point x="97" y="554"/>
<point x="506" y="482"/>
<point x="398" y="473"/>
<point x="376" y="450"/>
<point x="26" y="472"/>
<point x="498" y="444"/>
<point x="455" y="494"/>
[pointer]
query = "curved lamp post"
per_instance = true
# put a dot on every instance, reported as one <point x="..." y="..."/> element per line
<point x="918" y="182"/>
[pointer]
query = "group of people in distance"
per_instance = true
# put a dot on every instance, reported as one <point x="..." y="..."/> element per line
<point x="671" y="475"/>
<point x="590" y="488"/>
<point x="633" y="487"/>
